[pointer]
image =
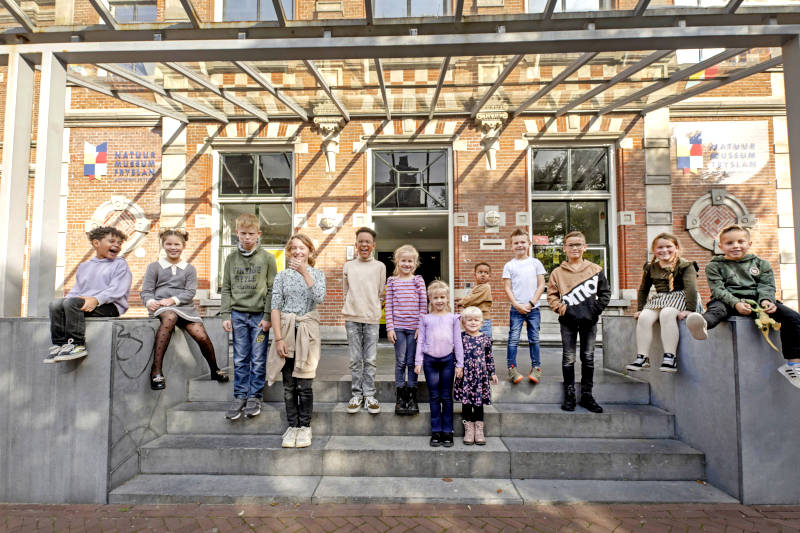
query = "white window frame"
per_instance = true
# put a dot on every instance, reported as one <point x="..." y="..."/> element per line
<point x="610" y="197"/>
<point x="217" y="200"/>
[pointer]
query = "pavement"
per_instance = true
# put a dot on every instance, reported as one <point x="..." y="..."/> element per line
<point x="20" y="518"/>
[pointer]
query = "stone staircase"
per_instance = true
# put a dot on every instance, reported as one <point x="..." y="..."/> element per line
<point x="535" y="452"/>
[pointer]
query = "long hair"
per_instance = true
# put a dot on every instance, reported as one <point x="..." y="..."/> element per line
<point x="674" y="261"/>
<point x="405" y="249"/>
<point x="305" y="240"/>
<point x="438" y="286"/>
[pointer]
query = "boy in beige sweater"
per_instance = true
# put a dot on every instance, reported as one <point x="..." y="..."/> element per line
<point x="363" y="278"/>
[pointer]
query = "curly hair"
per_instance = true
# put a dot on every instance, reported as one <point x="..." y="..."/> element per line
<point x="98" y="233"/>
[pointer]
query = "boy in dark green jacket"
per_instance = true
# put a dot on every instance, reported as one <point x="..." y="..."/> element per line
<point x="737" y="276"/>
<point x="245" y="309"/>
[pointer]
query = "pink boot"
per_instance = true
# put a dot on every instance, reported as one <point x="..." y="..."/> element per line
<point x="479" y="438"/>
<point x="469" y="433"/>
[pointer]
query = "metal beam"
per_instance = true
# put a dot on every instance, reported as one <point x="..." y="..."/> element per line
<point x="166" y="93"/>
<point x="459" y="11"/>
<point x="549" y="7"/>
<point x="191" y="12"/>
<point x="19" y="15"/>
<point x="732" y="6"/>
<point x="312" y="68"/>
<point x="640" y="8"/>
<point x="382" y="83"/>
<point x="791" y="80"/>
<point x="260" y="79"/>
<point x="622" y="76"/>
<point x="439" y="83"/>
<point x="279" y="12"/>
<point x="564" y="74"/>
<point x="105" y="13"/>
<point x="713" y="84"/>
<point x="498" y="82"/>
<point x="674" y="78"/>
<point x="369" y="11"/>
<point x="135" y="100"/>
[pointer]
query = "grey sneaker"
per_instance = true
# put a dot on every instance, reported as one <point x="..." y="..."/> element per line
<point x="354" y="405"/>
<point x="513" y="375"/>
<point x="71" y="351"/>
<point x="52" y="352"/>
<point x="792" y="373"/>
<point x="670" y="363"/>
<point x="237" y="409"/>
<point x="697" y="326"/>
<point x="372" y="405"/>
<point x="641" y="362"/>
<point x="253" y="407"/>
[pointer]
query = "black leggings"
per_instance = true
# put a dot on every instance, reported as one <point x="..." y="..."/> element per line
<point x="196" y="330"/>
<point x="472" y="413"/>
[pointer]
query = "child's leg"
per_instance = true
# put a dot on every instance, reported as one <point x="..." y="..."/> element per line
<point x="290" y="393"/>
<point x="242" y="340"/>
<point x="515" y="320"/>
<point x="75" y="320"/>
<point x="163" y="335"/>
<point x="486" y="327"/>
<point x="258" y="358"/>
<point x="569" y="338"/>
<point x="716" y="312"/>
<point x="644" y="330"/>
<point x="198" y="332"/>
<point x="467" y="412"/>
<point x="588" y="337"/>
<point x="446" y="377"/>
<point x="668" y="318"/>
<point x="789" y="320"/>
<point x="532" y="323"/>
<point x="305" y="401"/>
<point x="400" y="358"/>
<point x="355" y="344"/>
<point x="370" y="357"/>
<point x="411" y="352"/>
<point x="58" y="324"/>
<point x="431" y="367"/>
<point x="477" y="413"/>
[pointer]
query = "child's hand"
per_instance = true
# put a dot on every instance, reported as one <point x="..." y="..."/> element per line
<point x="281" y="348"/>
<point x="296" y="264"/>
<point x="743" y="308"/>
<point x="682" y="315"/>
<point x="264" y="325"/>
<point x="523" y="309"/>
<point x="90" y="303"/>
<point x="416" y="334"/>
<point x="153" y="306"/>
<point x="459" y="373"/>
<point x="166" y="302"/>
<point x="495" y="381"/>
<point x="417" y="369"/>
<point x="226" y="325"/>
<point x="391" y="335"/>
<point x="636" y="315"/>
<point x="768" y="306"/>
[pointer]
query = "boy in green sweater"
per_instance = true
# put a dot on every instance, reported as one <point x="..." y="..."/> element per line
<point x="246" y="307"/>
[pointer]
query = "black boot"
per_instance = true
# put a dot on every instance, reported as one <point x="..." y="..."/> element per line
<point x="569" y="398"/>
<point x="588" y="403"/>
<point x="400" y="403"/>
<point x="411" y="404"/>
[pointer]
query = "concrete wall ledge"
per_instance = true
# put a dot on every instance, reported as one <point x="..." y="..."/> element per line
<point x="70" y="432"/>
<point x="729" y="402"/>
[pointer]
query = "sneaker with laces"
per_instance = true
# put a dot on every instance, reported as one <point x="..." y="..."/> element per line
<point x="535" y="374"/>
<point x="354" y="405"/>
<point x="697" y="326"/>
<point x="670" y="363"/>
<point x="792" y="373"/>
<point x="289" y="438"/>
<point x="253" y="407"/>
<point x="641" y="362"/>
<point x="372" y="405"/>
<point x="52" y="352"/>
<point x="236" y="410"/>
<point x="71" y="351"/>
<point x="303" y="437"/>
<point x="513" y="375"/>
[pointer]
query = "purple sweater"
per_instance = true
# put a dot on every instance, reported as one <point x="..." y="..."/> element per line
<point x="439" y="336"/>
<point x="107" y="280"/>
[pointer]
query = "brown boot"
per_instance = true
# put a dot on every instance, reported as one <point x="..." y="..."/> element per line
<point x="480" y="440"/>
<point x="469" y="433"/>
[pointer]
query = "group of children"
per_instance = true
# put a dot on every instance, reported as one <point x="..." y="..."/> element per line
<point x="427" y="335"/>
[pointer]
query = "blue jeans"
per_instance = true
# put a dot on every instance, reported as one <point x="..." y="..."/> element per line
<point x="439" y="374"/>
<point x="249" y="355"/>
<point x="362" y="342"/>
<point x="531" y="321"/>
<point x="486" y="327"/>
<point x="405" y="349"/>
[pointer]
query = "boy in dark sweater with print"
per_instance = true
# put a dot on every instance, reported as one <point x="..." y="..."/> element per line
<point x="737" y="276"/>
<point x="578" y="291"/>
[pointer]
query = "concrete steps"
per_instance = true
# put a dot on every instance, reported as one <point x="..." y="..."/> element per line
<point x="506" y="419"/>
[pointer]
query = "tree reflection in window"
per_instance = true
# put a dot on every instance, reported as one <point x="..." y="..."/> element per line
<point x="574" y="169"/>
<point x="410" y="179"/>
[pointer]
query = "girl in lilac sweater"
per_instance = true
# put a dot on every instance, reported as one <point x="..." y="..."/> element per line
<point x="441" y="354"/>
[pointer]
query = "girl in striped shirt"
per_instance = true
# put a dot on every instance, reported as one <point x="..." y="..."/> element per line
<point x="406" y="302"/>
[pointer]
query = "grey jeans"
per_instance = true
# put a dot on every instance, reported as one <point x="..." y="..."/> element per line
<point x="362" y="340"/>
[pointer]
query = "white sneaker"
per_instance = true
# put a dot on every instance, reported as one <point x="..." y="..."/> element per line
<point x="354" y="405"/>
<point x="697" y="326"/>
<point x="372" y="405"/>
<point x="303" y="437"/>
<point x="71" y="351"/>
<point x="792" y="373"/>
<point x="52" y="352"/>
<point x="289" y="438"/>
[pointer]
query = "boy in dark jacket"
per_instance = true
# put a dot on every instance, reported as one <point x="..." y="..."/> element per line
<point x="737" y="276"/>
<point x="578" y="291"/>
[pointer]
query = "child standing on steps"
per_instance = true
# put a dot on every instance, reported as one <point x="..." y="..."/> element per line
<point x="363" y="280"/>
<point x="406" y="302"/>
<point x="578" y="291"/>
<point x="472" y="389"/>
<point x="168" y="289"/>
<point x="675" y="280"/>
<point x="481" y="296"/>
<point x="441" y="353"/>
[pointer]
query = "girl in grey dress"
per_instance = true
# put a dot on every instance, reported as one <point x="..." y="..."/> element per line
<point x="168" y="289"/>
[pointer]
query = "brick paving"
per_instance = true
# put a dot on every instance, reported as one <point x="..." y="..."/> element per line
<point x="20" y="518"/>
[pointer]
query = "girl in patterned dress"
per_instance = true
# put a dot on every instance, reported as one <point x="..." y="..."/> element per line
<point x="472" y="389"/>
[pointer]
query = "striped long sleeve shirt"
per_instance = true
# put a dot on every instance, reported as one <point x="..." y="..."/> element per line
<point x="406" y="302"/>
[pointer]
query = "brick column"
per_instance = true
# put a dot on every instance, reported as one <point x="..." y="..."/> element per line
<point x="657" y="175"/>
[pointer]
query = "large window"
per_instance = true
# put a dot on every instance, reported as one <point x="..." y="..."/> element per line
<point x="260" y="184"/>
<point x="411" y="8"/>
<point x="537" y="6"/>
<point x="134" y="12"/>
<point x="238" y="10"/>
<point x="409" y="179"/>
<point x="570" y="192"/>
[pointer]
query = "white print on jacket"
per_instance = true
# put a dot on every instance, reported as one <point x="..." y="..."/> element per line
<point x="581" y="292"/>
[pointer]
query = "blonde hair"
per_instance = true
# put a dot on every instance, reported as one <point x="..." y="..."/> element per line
<point x="247" y="220"/>
<point x="733" y="227"/>
<point x="438" y="286"/>
<point x="405" y="249"/>
<point x="674" y="262"/>
<point x="471" y="312"/>
<point x="305" y="240"/>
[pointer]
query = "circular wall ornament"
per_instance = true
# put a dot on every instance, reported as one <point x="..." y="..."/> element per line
<point x="492" y="219"/>
<point x="712" y="212"/>
<point x="126" y="216"/>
